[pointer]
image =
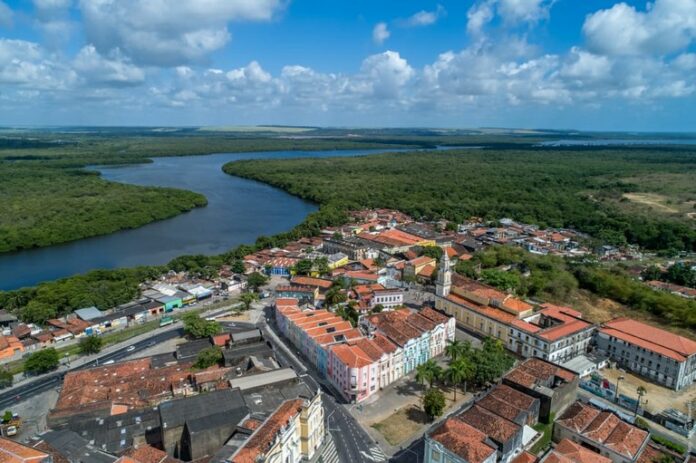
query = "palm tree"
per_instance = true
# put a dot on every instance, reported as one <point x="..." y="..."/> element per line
<point x="459" y="372"/>
<point x="334" y="296"/>
<point x="434" y="371"/>
<point x="423" y="374"/>
<point x="456" y="349"/>
<point x="641" y="391"/>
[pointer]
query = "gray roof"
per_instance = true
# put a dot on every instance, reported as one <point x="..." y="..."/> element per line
<point x="168" y="299"/>
<point x="175" y="412"/>
<point x="74" y="448"/>
<point x="263" y="379"/>
<point x="265" y="400"/>
<point x="238" y="353"/>
<point x="192" y="348"/>
<point x="5" y="316"/>
<point x="246" y="335"/>
<point x="217" y="420"/>
<point x="89" y="313"/>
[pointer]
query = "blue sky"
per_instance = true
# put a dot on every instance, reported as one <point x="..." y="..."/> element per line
<point x="597" y="65"/>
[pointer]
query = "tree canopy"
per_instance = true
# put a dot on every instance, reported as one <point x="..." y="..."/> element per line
<point x="197" y="327"/>
<point x="42" y="361"/>
<point x="90" y="345"/>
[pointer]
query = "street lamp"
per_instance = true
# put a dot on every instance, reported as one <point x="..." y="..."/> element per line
<point x="618" y="382"/>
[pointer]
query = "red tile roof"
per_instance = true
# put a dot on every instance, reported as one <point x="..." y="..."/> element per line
<point x="567" y="451"/>
<point x="261" y="441"/>
<point x="605" y="428"/>
<point x="434" y="315"/>
<point x="463" y="440"/>
<point x="13" y="452"/>
<point x="351" y="355"/>
<point x="309" y="281"/>
<point x="648" y="337"/>
<point x="524" y="457"/>
<point x="485" y="310"/>
<point x="146" y="454"/>
<point x="496" y="427"/>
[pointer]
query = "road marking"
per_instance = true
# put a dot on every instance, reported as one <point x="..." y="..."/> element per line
<point x="377" y="454"/>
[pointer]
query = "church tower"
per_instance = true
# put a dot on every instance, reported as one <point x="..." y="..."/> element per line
<point x="444" y="275"/>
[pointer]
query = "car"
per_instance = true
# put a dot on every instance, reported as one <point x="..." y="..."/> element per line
<point x="130" y="349"/>
<point x="108" y="362"/>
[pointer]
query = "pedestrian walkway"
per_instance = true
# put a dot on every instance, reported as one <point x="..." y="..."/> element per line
<point x="328" y="452"/>
<point x="375" y="454"/>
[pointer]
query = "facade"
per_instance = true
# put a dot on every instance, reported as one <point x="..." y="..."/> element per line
<point x="554" y="333"/>
<point x="659" y="355"/>
<point x="292" y="434"/>
<point x="358" y="365"/>
<point x="454" y="441"/>
<point x="601" y="431"/>
<point x="305" y="294"/>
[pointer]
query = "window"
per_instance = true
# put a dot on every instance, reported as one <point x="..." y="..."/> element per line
<point x="435" y="455"/>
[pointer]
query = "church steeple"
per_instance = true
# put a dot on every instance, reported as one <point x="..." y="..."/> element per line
<point x="444" y="275"/>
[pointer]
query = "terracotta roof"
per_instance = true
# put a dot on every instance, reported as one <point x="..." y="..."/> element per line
<point x="513" y="396"/>
<point x="517" y="305"/>
<point x="604" y="427"/>
<point x="309" y="281"/>
<point x="485" y="310"/>
<point x="262" y="439"/>
<point x="286" y="301"/>
<point x="500" y="407"/>
<point x="146" y="454"/>
<point x="648" y="337"/>
<point x="385" y="344"/>
<point x="351" y="356"/>
<point x="427" y="271"/>
<point x="422" y="261"/>
<point x="567" y="451"/>
<point x="524" y="457"/>
<point x="534" y="369"/>
<point x="371" y="348"/>
<point x="434" y="315"/>
<point x="357" y="275"/>
<point x="463" y="440"/>
<point x="252" y="424"/>
<point x="496" y="427"/>
<point x="13" y="452"/>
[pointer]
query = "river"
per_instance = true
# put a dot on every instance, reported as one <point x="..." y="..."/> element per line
<point x="238" y="212"/>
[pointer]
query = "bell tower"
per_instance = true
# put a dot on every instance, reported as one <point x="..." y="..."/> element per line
<point x="444" y="275"/>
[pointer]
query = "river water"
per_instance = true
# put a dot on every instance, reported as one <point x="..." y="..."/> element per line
<point x="238" y="212"/>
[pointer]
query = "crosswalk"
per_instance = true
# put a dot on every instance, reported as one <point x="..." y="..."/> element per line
<point x="375" y="454"/>
<point x="329" y="454"/>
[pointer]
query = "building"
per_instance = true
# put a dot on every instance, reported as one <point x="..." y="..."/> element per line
<point x="9" y="347"/>
<point x="567" y="451"/>
<point x="659" y="355"/>
<point x="454" y="441"/>
<point x="554" y="333"/>
<point x="503" y="433"/>
<point x="353" y="247"/>
<point x="13" y="452"/>
<point x="291" y="434"/>
<point x="146" y="454"/>
<point x="554" y="386"/>
<point x="373" y="295"/>
<point x="68" y="446"/>
<point x="512" y="405"/>
<point x="601" y="431"/>
<point x="444" y="276"/>
<point x="304" y="294"/>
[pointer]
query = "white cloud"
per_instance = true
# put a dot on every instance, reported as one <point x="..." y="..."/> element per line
<point x="168" y="32"/>
<point x="5" y="15"/>
<point x="665" y="27"/>
<point x="511" y="13"/>
<point x="425" y="18"/>
<point x="115" y="70"/>
<point x="380" y="33"/>
<point x="386" y="74"/>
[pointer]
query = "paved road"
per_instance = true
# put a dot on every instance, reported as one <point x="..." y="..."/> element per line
<point x="48" y="381"/>
<point x="351" y="442"/>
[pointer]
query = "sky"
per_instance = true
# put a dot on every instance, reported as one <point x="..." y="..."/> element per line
<point x="558" y="64"/>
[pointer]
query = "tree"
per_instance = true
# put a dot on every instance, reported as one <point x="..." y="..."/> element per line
<point x="256" y="280"/>
<point x="90" y="345"/>
<point x="7" y="416"/>
<point x="348" y="313"/>
<point x="238" y="266"/>
<point x="459" y="371"/>
<point x="304" y="267"/>
<point x="428" y="372"/>
<point x="651" y="273"/>
<point x="248" y="299"/>
<point x="322" y="265"/>
<point x="641" y="391"/>
<point x="208" y="357"/>
<point x="433" y="251"/>
<point x="491" y="361"/>
<point x="6" y="378"/>
<point x="334" y="296"/>
<point x="377" y="308"/>
<point x="457" y="349"/>
<point x="42" y="361"/>
<point x="507" y="281"/>
<point x="433" y="403"/>
<point x="197" y="327"/>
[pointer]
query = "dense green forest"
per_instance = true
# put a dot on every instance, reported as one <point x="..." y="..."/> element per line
<point x="549" y="187"/>
<point x="46" y="197"/>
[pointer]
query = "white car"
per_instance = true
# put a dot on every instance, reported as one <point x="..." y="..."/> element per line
<point x="130" y="349"/>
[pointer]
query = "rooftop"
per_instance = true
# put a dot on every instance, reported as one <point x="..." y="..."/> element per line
<point x="534" y="370"/>
<point x="567" y="451"/>
<point x="604" y="427"/>
<point x="13" y="452"/>
<point x="651" y="338"/>
<point x="496" y="427"/>
<point x="463" y="440"/>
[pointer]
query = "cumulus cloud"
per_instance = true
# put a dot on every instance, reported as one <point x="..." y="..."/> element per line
<point x="425" y="18"/>
<point x="115" y="70"/>
<point x="380" y="33"/>
<point x="666" y="26"/>
<point x="5" y="15"/>
<point x="386" y="73"/>
<point x="168" y="32"/>
<point x="511" y="13"/>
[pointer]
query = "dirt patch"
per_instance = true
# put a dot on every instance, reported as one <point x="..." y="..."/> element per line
<point x="659" y="398"/>
<point x="402" y="424"/>
<point x="651" y="199"/>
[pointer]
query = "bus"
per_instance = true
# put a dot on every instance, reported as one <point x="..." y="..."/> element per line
<point x="164" y="321"/>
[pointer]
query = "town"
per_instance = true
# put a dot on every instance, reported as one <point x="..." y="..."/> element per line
<point x="364" y="343"/>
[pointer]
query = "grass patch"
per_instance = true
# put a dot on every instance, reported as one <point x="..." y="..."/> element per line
<point x="402" y="424"/>
<point x="546" y="432"/>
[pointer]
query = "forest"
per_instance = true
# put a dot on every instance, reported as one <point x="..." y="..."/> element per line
<point x="46" y="197"/>
<point x="577" y="189"/>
